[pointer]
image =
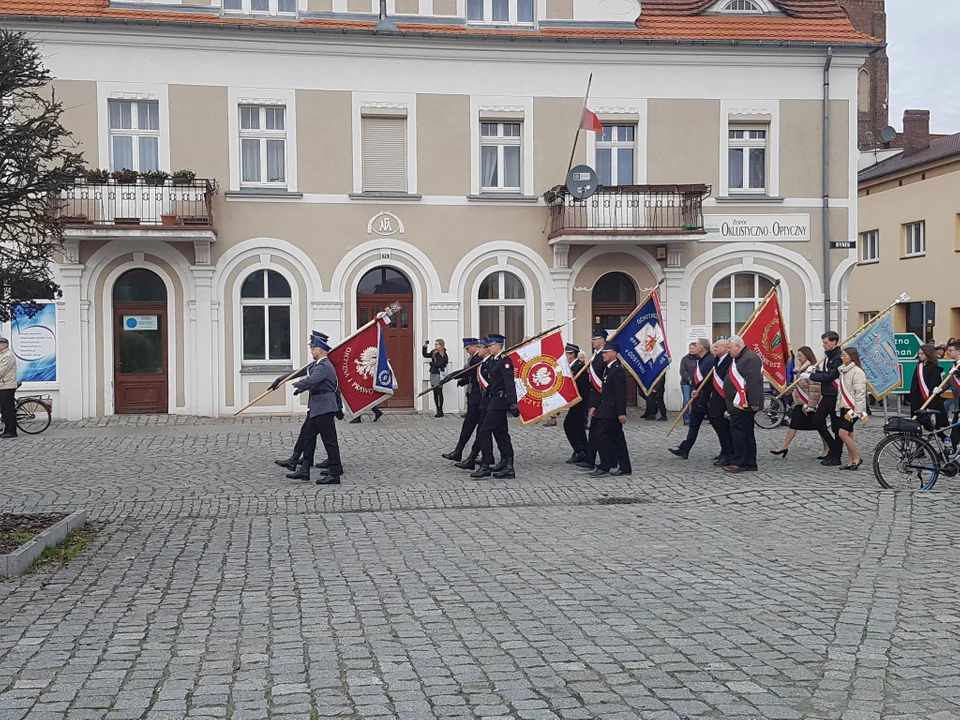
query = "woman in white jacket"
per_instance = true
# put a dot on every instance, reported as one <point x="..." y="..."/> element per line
<point x="851" y="402"/>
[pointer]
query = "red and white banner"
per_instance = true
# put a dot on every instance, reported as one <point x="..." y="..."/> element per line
<point x="364" y="376"/>
<point x="545" y="384"/>
<point x="767" y="337"/>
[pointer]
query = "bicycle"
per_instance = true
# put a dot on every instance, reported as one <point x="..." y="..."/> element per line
<point x="34" y="413"/>
<point x="912" y="458"/>
<point x="773" y="412"/>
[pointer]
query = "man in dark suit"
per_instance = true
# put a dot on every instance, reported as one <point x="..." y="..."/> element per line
<point x="611" y="413"/>
<point x="472" y="383"/>
<point x="717" y="402"/>
<point x="826" y="408"/>
<point x="743" y="390"/>
<point x="502" y="394"/>
<point x="575" y="423"/>
<point x="483" y="380"/>
<point x="700" y="350"/>
<point x="594" y="375"/>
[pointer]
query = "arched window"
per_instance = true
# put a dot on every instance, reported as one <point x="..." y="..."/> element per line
<point x="384" y="281"/>
<point x="502" y="306"/>
<point x="139" y="286"/>
<point x="265" y="302"/>
<point x="742" y="6"/>
<point x="735" y="298"/>
<point x="863" y="91"/>
<point x="615" y="287"/>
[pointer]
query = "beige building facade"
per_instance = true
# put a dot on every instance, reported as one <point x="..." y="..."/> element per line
<point x="340" y="169"/>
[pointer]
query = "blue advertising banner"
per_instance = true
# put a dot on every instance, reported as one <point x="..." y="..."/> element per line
<point x="877" y="346"/>
<point x="34" y="343"/>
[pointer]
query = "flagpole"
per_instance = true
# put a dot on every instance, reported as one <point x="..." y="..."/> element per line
<point x="389" y="310"/>
<point x="576" y="138"/>
<point x="939" y="387"/>
<point x="743" y="329"/>
<point x="873" y="321"/>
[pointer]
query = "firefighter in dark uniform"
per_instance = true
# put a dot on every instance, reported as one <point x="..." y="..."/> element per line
<point x="575" y="423"/>
<point x="502" y="392"/>
<point x="482" y="379"/>
<point x="611" y="412"/>
<point x="472" y="383"/>
<point x="594" y="375"/>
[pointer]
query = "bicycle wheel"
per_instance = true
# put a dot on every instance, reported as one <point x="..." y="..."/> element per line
<point x="772" y="413"/>
<point x="33" y="417"/>
<point x="905" y="462"/>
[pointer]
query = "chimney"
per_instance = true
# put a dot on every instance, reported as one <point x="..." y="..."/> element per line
<point x="916" y="130"/>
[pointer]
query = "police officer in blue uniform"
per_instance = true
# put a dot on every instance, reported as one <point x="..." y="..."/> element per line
<point x="502" y="394"/>
<point x="472" y="383"/>
<point x="482" y="379"/>
<point x="322" y="384"/>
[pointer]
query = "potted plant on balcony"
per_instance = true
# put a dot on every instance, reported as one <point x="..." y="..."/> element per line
<point x="155" y="178"/>
<point x="183" y="177"/>
<point x="125" y="176"/>
<point x="97" y="176"/>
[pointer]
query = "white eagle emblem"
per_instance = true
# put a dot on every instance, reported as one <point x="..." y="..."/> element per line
<point x="366" y="365"/>
<point x="542" y="377"/>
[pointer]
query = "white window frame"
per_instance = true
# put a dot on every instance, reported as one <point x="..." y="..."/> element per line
<point x="746" y="144"/>
<point x="266" y="303"/>
<point x="723" y="7"/>
<point x="513" y="13"/>
<point x="259" y="96"/>
<point x="503" y="303"/>
<point x="869" y="247"/>
<point x="868" y="315"/>
<point x="910" y="239"/>
<point x="741" y="7"/>
<point x="501" y="142"/>
<point x="134" y="133"/>
<point x="107" y="91"/>
<point x="758" y="115"/>
<point x="732" y="300"/>
<point x="261" y="134"/>
<point x="505" y="109"/>
<point x="386" y="101"/>
<point x="246" y="8"/>
<point x="622" y="111"/>
<point x="614" y="146"/>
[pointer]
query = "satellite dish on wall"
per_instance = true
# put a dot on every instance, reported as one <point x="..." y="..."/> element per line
<point x="888" y="134"/>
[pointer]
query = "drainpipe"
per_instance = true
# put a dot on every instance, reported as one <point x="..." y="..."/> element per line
<point x="826" y="189"/>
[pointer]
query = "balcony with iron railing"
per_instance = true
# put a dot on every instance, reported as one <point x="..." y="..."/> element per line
<point x="169" y="205"/>
<point x="635" y="212"/>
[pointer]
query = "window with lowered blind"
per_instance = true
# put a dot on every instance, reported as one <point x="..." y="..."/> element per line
<point x="384" y="148"/>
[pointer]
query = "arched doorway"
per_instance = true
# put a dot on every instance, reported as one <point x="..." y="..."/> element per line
<point x="140" y="337"/>
<point x="379" y="288"/>
<point x="614" y="298"/>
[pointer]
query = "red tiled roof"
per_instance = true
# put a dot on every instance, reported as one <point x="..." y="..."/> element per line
<point x="649" y="26"/>
<point x="900" y="141"/>
<point x="810" y="9"/>
<point x="941" y="148"/>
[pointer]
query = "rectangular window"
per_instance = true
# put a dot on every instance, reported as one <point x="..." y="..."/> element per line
<point x="500" y="156"/>
<point x="870" y="246"/>
<point x="134" y="135"/>
<point x="263" y="145"/>
<point x="501" y="12"/>
<point x="384" y="148"/>
<point x="270" y="7"/>
<point x="914" y="239"/>
<point x="615" y="154"/>
<point x="866" y="317"/>
<point x="747" y="160"/>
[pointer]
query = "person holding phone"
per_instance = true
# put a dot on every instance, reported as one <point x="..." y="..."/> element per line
<point x="438" y="370"/>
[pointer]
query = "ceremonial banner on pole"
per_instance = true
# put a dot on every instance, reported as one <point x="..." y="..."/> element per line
<point x="545" y="384"/>
<point x="878" y="355"/>
<point x="363" y="369"/>
<point x="643" y="345"/>
<point x="766" y="335"/>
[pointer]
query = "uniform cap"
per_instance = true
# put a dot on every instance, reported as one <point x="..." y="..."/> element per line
<point x="599" y="334"/>
<point x="499" y="339"/>
<point x="319" y="340"/>
<point x="468" y="341"/>
<point x="611" y="347"/>
<point x="571" y="348"/>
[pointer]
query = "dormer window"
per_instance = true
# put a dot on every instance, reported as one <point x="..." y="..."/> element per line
<point x="501" y="12"/>
<point x="265" y="7"/>
<point x="742" y="6"/>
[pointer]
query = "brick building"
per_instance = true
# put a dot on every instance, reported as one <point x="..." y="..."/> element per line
<point x="873" y="85"/>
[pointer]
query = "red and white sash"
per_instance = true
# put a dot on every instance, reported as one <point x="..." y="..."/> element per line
<point x="595" y="379"/>
<point x="924" y="390"/>
<point x="804" y="398"/>
<point x="851" y="406"/>
<point x="740" y="384"/>
<point x="697" y="376"/>
<point x="717" y="380"/>
<point x="480" y="378"/>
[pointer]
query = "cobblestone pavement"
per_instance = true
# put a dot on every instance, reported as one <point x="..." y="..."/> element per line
<point x="215" y="588"/>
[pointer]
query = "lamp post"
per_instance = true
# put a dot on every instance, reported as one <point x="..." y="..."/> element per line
<point x="384" y="24"/>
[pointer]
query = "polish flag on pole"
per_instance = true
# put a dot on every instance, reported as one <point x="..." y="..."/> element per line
<point x="590" y="121"/>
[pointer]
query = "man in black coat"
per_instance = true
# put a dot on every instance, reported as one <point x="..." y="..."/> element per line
<point x="575" y="423"/>
<point x="827" y="374"/>
<point x="472" y="383"/>
<point x="482" y="378"/>
<point x="743" y="390"/>
<point x="611" y="413"/>
<point x="502" y="394"/>
<point x="700" y="350"/>
<point x="717" y="402"/>
<point x="594" y="376"/>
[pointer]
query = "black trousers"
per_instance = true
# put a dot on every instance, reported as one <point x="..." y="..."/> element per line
<point x="655" y="403"/>
<point x="722" y="427"/>
<point x="301" y="438"/>
<point x="742" y="431"/>
<point x="826" y="409"/>
<point x="613" y="446"/>
<point x="8" y="411"/>
<point x="575" y="427"/>
<point x="470" y="422"/>
<point x="494" y="425"/>
<point x="592" y="439"/>
<point x="324" y="426"/>
<point x="693" y="432"/>
<point x="438" y="399"/>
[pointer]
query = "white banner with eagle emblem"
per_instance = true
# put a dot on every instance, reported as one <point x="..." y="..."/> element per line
<point x="545" y="384"/>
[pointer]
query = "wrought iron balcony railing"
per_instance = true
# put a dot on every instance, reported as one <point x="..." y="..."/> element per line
<point x="164" y="204"/>
<point x="628" y="210"/>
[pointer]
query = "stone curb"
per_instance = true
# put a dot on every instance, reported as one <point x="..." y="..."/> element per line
<point x="20" y="560"/>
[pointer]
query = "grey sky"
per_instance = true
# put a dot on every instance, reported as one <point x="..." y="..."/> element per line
<point x="923" y="38"/>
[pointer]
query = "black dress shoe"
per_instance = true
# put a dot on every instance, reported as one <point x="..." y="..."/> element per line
<point x="481" y="472"/>
<point x="830" y="462"/>
<point x="356" y="421"/>
<point x="576" y="457"/>
<point x="329" y="480"/>
<point x="302" y="473"/>
<point x="619" y="473"/>
<point x="289" y="464"/>
<point x="454" y="456"/>
<point x="662" y="419"/>
<point x="721" y="462"/>
<point x="583" y="465"/>
<point x="679" y="453"/>
<point x="507" y="472"/>
<point x="324" y="464"/>
<point x="6" y="436"/>
<point x="598" y="473"/>
<point x="377" y="414"/>
<point x="469" y="464"/>
<point x="719" y="457"/>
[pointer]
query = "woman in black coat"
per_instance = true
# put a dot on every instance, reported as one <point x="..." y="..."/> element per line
<point x="926" y="380"/>
<point x="438" y="365"/>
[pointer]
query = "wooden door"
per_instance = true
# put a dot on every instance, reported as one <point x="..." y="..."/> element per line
<point x="609" y="316"/>
<point x="140" y="338"/>
<point x="399" y="339"/>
